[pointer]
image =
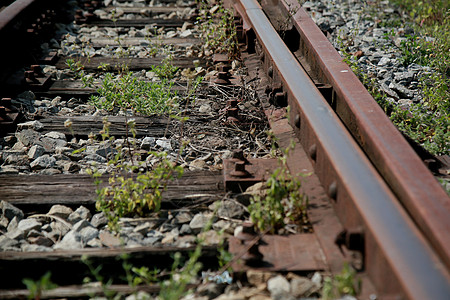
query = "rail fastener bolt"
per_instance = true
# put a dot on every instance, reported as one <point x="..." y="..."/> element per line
<point x="239" y="170"/>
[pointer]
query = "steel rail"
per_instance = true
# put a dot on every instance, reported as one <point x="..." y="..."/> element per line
<point x="405" y="173"/>
<point x="416" y="267"/>
<point x="12" y="11"/>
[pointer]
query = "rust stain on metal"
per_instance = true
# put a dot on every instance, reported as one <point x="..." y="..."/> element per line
<point x="239" y="174"/>
<point x="9" y="115"/>
<point x="387" y="149"/>
<point x="362" y="198"/>
<point x="12" y="12"/>
<point x="297" y="252"/>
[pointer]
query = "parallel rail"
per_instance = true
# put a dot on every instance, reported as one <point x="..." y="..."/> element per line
<point x="352" y="181"/>
<point x="393" y="211"/>
<point x="407" y="176"/>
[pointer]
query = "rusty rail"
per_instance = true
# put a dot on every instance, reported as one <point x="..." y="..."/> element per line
<point x="13" y="11"/>
<point x="402" y="169"/>
<point x="390" y="237"/>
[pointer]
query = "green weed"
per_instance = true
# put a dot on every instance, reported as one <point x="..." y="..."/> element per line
<point x="165" y="71"/>
<point x="128" y="92"/>
<point x="36" y="287"/>
<point x="218" y="29"/>
<point x="282" y="201"/>
<point x="341" y="284"/>
<point x="128" y="195"/>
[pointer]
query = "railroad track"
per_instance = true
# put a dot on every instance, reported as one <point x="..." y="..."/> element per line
<point x="372" y="202"/>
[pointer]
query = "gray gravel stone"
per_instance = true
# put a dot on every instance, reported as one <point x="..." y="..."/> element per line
<point x="36" y="248"/>
<point x="401" y="90"/>
<point x="144" y="228"/>
<point x="34" y="125"/>
<point x="17" y="160"/>
<point x="43" y="162"/>
<point x="81" y="213"/>
<point x="231" y="209"/>
<point x="80" y="225"/>
<point x="72" y="240"/>
<point x="71" y="167"/>
<point x="148" y="143"/>
<point x="99" y="220"/>
<point x="3" y="222"/>
<point x="50" y="142"/>
<point x="58" y="230"/>
<point x="302" y="286"/>
<point x="185" y="229"/>
<point x="35" y="151"/>
<point x="95" y="158"/>
<point x="88" y="233"/>
<point x="279" y="288"/>
<point x="13" y="224"/>
<point x="60" y="211"/>
<point x="27" y="225"/>
<point x="105" y="152"/>
<point x="28" y="137"/>
<point x="182" y="218"/>
<point x="16" y="234"/>
<point x="50" y="171"/>
<point x="9" y="211"/>
<point x="7" y="243"/>
<point x="41" y="241"/>
<point x="165" y="144"/>
<point x="199" y="222"/>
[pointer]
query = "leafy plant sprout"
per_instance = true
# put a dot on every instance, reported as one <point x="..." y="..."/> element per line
<point x="281" y="201"/>
<point x="218" y="36"/>
<point x="427" y="122"/>
<point x="37" y="287"/>
<point x="339" y="285"/>
<point x="127" y="194"/>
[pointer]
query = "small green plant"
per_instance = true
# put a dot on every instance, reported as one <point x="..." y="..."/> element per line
<point x="218" y="29"/>
<point x="165" y="71"/>
<point x="224" y="255"/>
<point x="96" y="272"/>
<point x="176" y="287"/>
<point x="127" y="194"/>
<point x="35" y="288"/>
<point x="78" y="68"/>
<point x="128" y="92"/>
<point x="282" y="201"/>
<point x="426" y="122"/>
<point x="137" y="276"/>
<point x="341" y="284"/>
<point x="416" y="49"/>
